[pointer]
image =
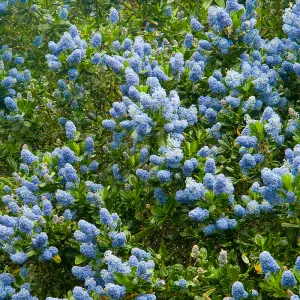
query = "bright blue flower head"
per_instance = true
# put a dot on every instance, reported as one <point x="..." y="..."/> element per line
<point x="168" y="11"/>
<point x="89" y="146"/>
<point x="70" y="130"/>
<point x="198" y="214"/>
<point x="96" y="40"/>
<point x="188" y="41"/>
<point x="210" y="166"/>
<point x="113" y="16"/>
<point x="196" y="25"/>
<point x="288" y="279"/>
<point x="115" y="291"/>
<point x="268" y="263"/>
<point x="181" y="283"/>
<point x="238" y="292"/>
<point x="11" y="104"/>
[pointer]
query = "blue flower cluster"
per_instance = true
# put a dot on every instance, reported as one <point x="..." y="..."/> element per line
<point x="14" y="81"/>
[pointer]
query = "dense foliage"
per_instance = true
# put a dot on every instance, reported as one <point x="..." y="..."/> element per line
<point x="149" y="149"/>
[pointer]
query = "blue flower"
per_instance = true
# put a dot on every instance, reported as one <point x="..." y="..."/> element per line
<point x="88" y="250"/>
<point x="119" y="240"/>
<point x="204" y="152"/>
<point x="63" y="13"/>
<point x="3" y="7"/>
<point x="247" y="141"/>
<point x="193" y="191"/>
<point x="109" y="124"/>
<point x="72" y="74"/>
<point x="222" y="224"/>
<point x="189" y="166"/>
<point x="70" y="130"/>
<point x="83" y="273"/>
<point x="131" y="77"/>
<point x="144" y="153"/>
<point x="163" y="176"/>
<point x="271" y="179"/>
<point x="19" y="60"/>
<point x="113" y="16"/>
<point x="247" y="162"/>
<point x="116" y="45"/>
<point x="198" y="214"/>
<point x="127" y="44"/>
<point x="188" y="40"/>
<point x="40" y="240"/>
<point x="96" y="40"/>
<point x="239" y="210"/>
<point x="115" y="291"/>
<point x="160" y="196"/>
<point x="116" y="172"/>
<point x="19" y="258"/>
<point x="140" y="254"/>
<point x="168" y="11"/>
<point x="205" y="45"/>
<point x="196" y="25"/>
<point x="253" y="208"/>
<point x="234" y="79"/>
<point x="94" y="165"/>
<point x="177" y="63"/>
<point x="297" y="265"/>
<point x="38" y="41"/>
<point x="181" y="283"/>
<point x="80" y="294"/>
<point x="10" y="104"/>
<point x="268" y="263"/>
<point x="89" y="145"/>
<point x="233" y="5"/>
<point x="143" y="174"/>
<point x="25" y="225"/>
<point x="7" y="56"/>
<point x="209" y="229"/>
<point x="238" y="291"/>
<point x="220" y="184"/>
<point x="5" y="232"/>
<point x="218" y="18"/>
<point x="64" y="198"/>
<point x="8" y="82"/>
<point x="216" y="86"/>
<point x="196" y="71"/>
<point x="288" y="279"/>
<point x="210" y="166"/>
<point x="96" y="59"/>
<point x="74" y="58"/>
<point x="296" y="68"/>
<point x="233" y="101"/>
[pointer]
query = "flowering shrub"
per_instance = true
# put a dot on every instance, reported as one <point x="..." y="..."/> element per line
<point x="154" y="150"/>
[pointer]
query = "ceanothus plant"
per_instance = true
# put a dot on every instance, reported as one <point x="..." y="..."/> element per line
<point x="190" y="137"/>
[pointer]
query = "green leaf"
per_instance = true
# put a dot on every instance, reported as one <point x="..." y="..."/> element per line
<point x="122" y="279"/>
<point x="289" y="225"/>
<point x="30" y="253"/>
<point x="245" y="258"/>
<point x="287" y="180"/>
<point x="259" y="240"/>
<point x="161" y="138"/>
<point x="203" y="253"/>
<point x="206" y="4"/>
<point x="57" y="259"/>
<point x="79" y="259"/>
<point x="259" y="127"/>
<point x="220" y="3"/>
<point x="163" y="251"/>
